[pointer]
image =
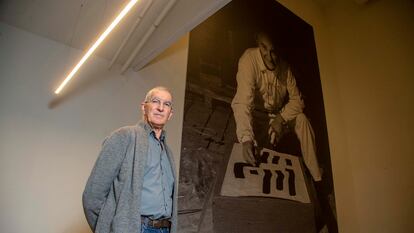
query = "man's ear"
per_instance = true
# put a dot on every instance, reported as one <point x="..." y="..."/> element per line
<point x="143" y="108"/>
<point x="171" y="113"/>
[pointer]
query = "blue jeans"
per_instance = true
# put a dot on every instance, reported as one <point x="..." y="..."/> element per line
<point x="148" y="229"/>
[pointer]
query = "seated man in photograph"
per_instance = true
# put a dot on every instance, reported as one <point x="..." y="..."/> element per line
<point x="268" y="104"/>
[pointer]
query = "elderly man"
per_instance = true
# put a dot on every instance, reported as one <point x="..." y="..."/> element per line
<point x="268" y="103"/>
<point x="132" y="187"/>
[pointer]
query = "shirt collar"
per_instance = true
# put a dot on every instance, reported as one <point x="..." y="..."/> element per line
<point x="150" y="131"/>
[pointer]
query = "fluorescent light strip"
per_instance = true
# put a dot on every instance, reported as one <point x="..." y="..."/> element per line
<point x="96" y="44"/>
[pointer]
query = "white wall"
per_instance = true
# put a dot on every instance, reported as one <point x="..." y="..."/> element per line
<point x="46" y="154"/>
<point x="366" y="65"/>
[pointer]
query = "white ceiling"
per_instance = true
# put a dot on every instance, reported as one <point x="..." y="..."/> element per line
<point x="78" y="23"/>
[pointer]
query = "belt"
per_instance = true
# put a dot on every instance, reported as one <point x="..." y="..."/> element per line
<point x="160" y="223"/>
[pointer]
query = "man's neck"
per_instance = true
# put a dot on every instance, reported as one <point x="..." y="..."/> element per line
<point x="157" y="133"/>
<point x="268" y="64"/>
<point x="157" y="130"/>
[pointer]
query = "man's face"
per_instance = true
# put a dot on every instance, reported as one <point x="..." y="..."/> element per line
<point x="158" y="110"/>
<point x="266" y="48"/>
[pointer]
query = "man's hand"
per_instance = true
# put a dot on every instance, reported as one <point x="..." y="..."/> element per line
<point x="276" y="129"/>
<point x="249" y="152"/>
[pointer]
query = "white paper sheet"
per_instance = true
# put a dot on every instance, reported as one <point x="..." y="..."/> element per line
<point x="278" y="175"/>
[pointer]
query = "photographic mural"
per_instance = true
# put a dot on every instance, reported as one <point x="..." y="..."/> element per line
<point x="255" y="152"/>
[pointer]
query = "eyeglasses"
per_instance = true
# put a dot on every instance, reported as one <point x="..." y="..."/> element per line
<point x="159" y="102"/>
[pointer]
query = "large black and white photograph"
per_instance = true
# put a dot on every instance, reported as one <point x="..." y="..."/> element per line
<point x="255" y="151"/>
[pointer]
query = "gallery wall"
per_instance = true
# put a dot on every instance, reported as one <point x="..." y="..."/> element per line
<point x="373" y="46"/>
<point x="364" y="53"/>
<point x="48" y="145"/>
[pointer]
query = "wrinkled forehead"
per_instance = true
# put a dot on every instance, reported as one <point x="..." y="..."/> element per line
<point x="264" y="39"/>
<point x="162" y="95"/>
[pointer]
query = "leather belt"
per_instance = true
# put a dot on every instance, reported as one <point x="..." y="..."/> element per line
<point x="160" y="223"/>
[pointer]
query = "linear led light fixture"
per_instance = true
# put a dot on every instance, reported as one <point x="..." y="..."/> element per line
<point x="96" y="44"/>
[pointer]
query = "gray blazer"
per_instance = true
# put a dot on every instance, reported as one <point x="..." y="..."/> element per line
<point x="112" y="195"/>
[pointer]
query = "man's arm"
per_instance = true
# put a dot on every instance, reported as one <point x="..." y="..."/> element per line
<point x="242" y="105"/>
<point x="295" y="105"/>
<point x="290" y="110"/>
<point x="106" y="169"/>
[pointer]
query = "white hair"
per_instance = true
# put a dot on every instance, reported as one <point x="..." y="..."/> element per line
<point x="150" y="93"/>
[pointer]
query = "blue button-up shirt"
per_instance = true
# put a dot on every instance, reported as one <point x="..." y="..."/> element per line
<point x="157" y="191"/>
